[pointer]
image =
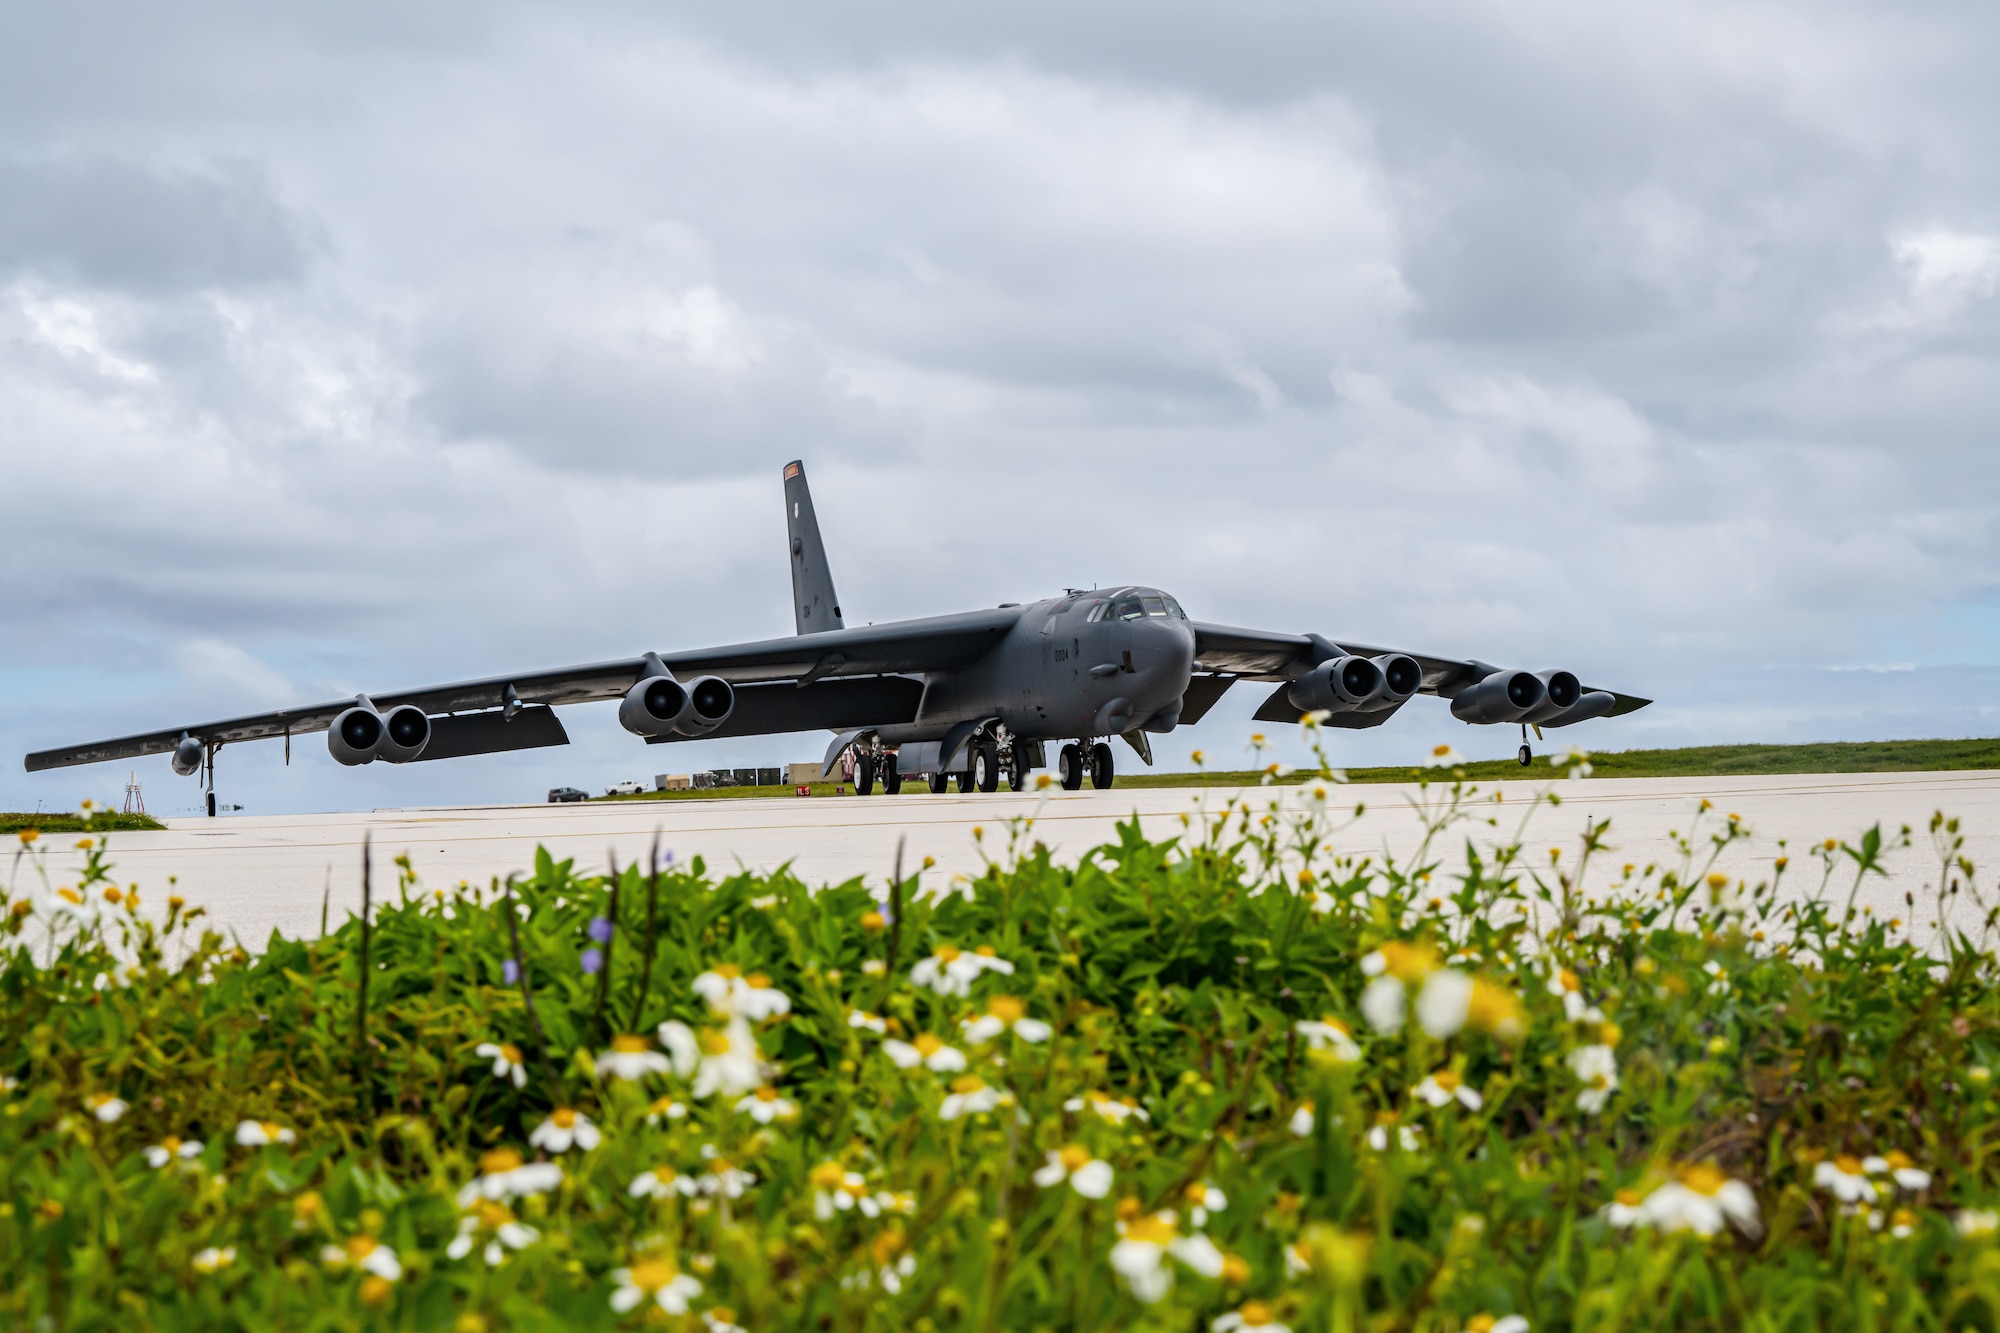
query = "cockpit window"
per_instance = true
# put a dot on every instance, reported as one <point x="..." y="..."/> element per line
<point x="1174" y="609"/>
<point x="1097" y="610"/>
<point x="1127" y="610"/>
<point x="1155" y="606"/>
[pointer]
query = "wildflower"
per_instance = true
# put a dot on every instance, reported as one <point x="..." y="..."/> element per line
<point x="1577" y="761"/>
<point x="666" y="1108"/>
<point x="951" y="971"/>
<point x="1302" y="1120"/>
<point x="213" y="1260"/>
<point x="1395" y="966"/>
<point x="260" y="1133"/>
<point x="490" y="1215"/>
<point x="1443" y="756"/>
<point x="1624" y="1211"/>
<point x="838" y="1190"/>
<point x="1250" y="1317"/>
<point x="722" y="1061"/>
<point x="600" y="929"/>
<point x="366" y="1254"/>
<point x="307" y="1209"/>
<point x="565" y="1128"/>
<point x="1317" y="794"/>
<point x="721" y="1319"/>
<point x="875" y="967"/>
<point x="660" y="1182"/>
<point x="733" y="995"/>
<point x="632" y="1058"/>
<point x="1142" y="1250"/>
<point x="1116" y="1110"/>
<point x="1701" y="1201"/>
<point x="507" y="1061"/>
<point x="971" y="1096"/>
<point x="1597" y="1068"/>
<point x="867" y="1022"/>
<point x="724" y="1177"/>
<point x="29" y="835"/>
<point x="1902" y="1224"/>
<point x="928" y="1050"/>
<point x="1976" y="1223"/>
<point x="653" y="1280"/>
<point x="1846" y="1179"/>
<point x="1086" y="1175"/>
<point x="1898" y="1167"/>
<point x="765" y="1105"/>
<point x="1002" y="1013"/>
<point x="1445" y="1087"/>
<point x="1564" y="985"/>
<point x="1513" y="1323"/>
<point x="510" y="972"/>
<point x="1329" y="1038"/>
<point x="1202" y="1199"/>
<point x="592" y="961"/>
<point x="104" y="1106"/>
<point x="1718" y="979"/>
<point x="172" y="1149"/>
<point x="503" y="1175"/>
<point x="1409" y="1138"/>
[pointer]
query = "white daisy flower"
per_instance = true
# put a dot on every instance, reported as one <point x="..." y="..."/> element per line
<point x="1330" y="1038"/>
<point x="730" y="1062"/>
<point x="1702" y="1201"/>
<point x="894" y="1275"/>
<point x="1004" y="1013"/>
<point x="1899" y="1167"/>
<point x="1409" y="1138"/>
<point x="1250" y="1317"/>
<point x="1624" y="1211"/>
<point x="1976" y="1223"/>
<point x="683" y="1047"/>
<point x="724" y="1176"/>
<point x="1486" y="1323"/>
<point x="365" y="1253"/>
<point x="928" y="1051"/>
<point x="652" y="1280"/>
<point x="1143" y="1247"/>
<point x="765" y="1105"/>
<point x="867" y="1022"/>
<point x="1202" y="1199"/>
<point x="503" y="1175"/>
<point x="564" y="1129"/>
<point x="1445" y="1087"/>
<point x="971" y="1096"/>
<point x="1903" y="1224"/>
<point x="507" y="1061"/>
<point x="172" y="1149"/>
<point x="721" y="1319"/>
<point x="1302" y="1120"/>
<point x="632" y="1058"/>
<point x="734" y="995"/>
<point x="661" y="1182"/>
<point x="104" y="1106"/>
<point x="951" y="971"/>
<point x="1846" y="1179"/>
<point x="1116" y="1110"/>
<point x="838" y="1190"/>
<point x="1718" y="979"/>
<point x="665" y="1108"/>
<point x="1596" y="1067"/>
<point x="488" y="1215"/>
<point x="1086" y="1175"/>
<point x="259" y="1133"/>
<point x="1565" y="985"/>
<point x="213" y="1260"/>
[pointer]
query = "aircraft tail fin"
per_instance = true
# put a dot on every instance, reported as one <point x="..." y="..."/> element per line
<point x="815" y="607"/>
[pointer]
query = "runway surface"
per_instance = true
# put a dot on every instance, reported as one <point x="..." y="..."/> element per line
<point x="259" y="873"/>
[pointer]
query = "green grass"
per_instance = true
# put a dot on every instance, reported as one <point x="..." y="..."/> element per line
<point x="71" y="822"/>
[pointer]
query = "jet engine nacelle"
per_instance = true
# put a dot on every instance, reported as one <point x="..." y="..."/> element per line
<point x="1504" y="696"/>
<point x="1342" y="685"/>
<point x="405" y="733"/>
<point x="355" y="736"/>
<point x="188" y="756"/>
<point x="711" y="700"/>
<point x="655" y="707"/>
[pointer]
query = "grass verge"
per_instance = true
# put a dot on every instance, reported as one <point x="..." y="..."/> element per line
<point x="74" y="822"/>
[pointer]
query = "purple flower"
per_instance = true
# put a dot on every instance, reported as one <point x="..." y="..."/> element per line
<point x="600" y="929"/>
<point x="510" y="972"/>
<point x="592" y="961"/>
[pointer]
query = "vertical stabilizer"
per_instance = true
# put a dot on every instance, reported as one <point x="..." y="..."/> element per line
<point x="815" y="608"/>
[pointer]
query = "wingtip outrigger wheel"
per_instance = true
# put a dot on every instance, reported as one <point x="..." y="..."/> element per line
<point x="1527" y="756"/>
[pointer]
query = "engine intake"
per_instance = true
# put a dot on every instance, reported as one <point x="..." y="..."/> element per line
<point x="1504" y="696"/>
<point x="1342" y="685"/>
<point x="405" y="733"/>
<point x="188" y="756"/>
<point x="711" y="700"/>
<point x="655" y="707"/>
<point x="355" y="736"/>
<point x="1401" y="677"/>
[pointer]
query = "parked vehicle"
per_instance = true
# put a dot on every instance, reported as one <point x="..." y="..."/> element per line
<point x="627" y="788"/>
<point x="561" y="794"/>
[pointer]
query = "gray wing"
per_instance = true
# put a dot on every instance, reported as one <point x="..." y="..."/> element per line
<point x="939" y="643"/>
<point x="1253" y="654"/>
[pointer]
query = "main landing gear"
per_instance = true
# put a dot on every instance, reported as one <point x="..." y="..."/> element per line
<point x="1070" y="765"/>
<point x="1526" y="756"/>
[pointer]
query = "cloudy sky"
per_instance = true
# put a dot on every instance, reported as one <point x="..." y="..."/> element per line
<point x="387" y="345"/>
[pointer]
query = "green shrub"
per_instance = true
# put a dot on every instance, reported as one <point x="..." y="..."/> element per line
<point x="1250" y="1077"/>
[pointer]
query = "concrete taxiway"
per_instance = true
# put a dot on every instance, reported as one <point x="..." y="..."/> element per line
<point x="256" y="873"/>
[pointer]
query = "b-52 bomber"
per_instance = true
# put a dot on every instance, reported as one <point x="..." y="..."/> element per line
<point x="969" y="697"/>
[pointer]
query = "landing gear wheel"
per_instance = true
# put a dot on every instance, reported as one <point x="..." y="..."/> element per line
<point x="864" y="775"/>
<point x="1100" y="766"/>
<point x="892" y="781"/>
<point x="985" y="771"/>
<point x="1069" y="767"/>
<point x="1017" y="775"/>
<point x="939" y="781"/>
<point x="965" y="779"/>
<point x="1527" y="756"/>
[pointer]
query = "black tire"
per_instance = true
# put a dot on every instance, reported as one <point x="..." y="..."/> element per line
<point x="985" y="769"/>
<point x="1100" y="766"/>
<point x="938" y="783"/>
<point x="864" y="775"/>
<point x="966" y="778"/>
<point x="892" y="781"/>
<point x="1527" y="756"/>
<point x="1069" y="767"/>
<point x="1018" y="777"/>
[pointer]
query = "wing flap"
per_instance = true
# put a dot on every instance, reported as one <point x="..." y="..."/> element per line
<point x="494" y="732"/>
